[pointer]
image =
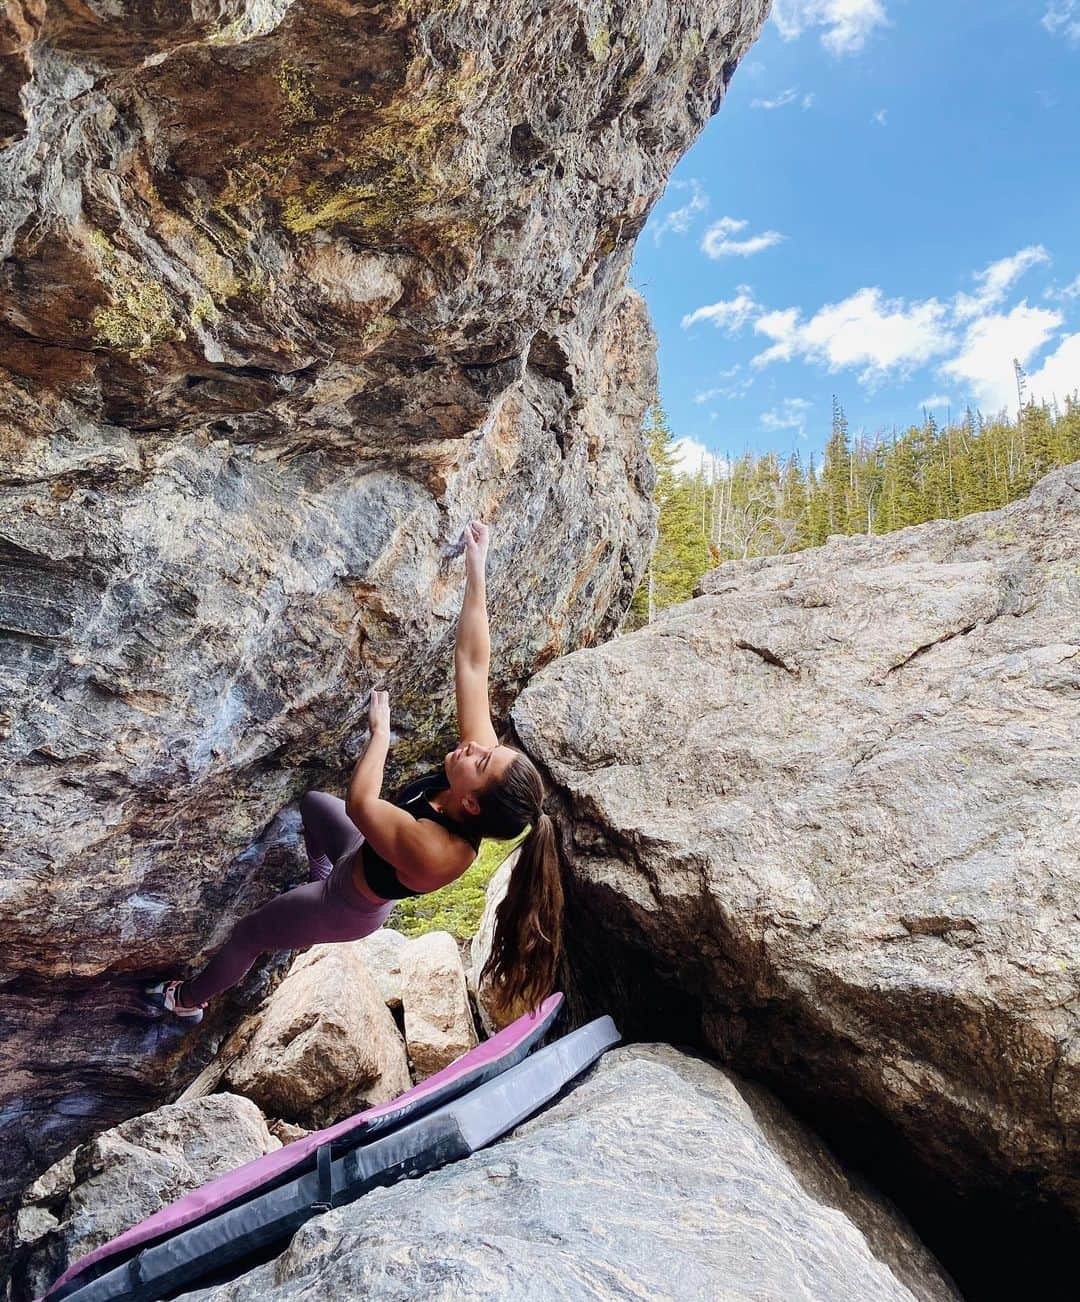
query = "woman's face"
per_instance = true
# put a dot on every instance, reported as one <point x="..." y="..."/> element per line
<point x="471" y="767"/>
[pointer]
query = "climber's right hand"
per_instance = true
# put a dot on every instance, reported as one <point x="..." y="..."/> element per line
<point x="477" y="535"/>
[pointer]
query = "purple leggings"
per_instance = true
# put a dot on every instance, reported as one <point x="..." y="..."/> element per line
<point x="329" y="907"/>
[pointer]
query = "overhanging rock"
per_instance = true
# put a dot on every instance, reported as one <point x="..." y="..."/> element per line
<point x="288" y="292"/>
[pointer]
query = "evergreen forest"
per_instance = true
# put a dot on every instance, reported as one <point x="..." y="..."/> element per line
<point x="758" y="504"/>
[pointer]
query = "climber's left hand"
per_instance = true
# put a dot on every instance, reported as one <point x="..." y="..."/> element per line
<point x="379" y="712"/>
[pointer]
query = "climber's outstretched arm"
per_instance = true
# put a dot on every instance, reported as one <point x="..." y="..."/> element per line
<point x="472" y="654"/>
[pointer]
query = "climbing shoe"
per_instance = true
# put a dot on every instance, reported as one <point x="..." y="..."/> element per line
<point x="163" y="995"/>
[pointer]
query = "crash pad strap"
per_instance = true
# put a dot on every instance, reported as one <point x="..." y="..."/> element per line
<point x="325" y="1167"/>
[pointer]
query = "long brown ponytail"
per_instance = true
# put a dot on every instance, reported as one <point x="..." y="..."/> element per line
<point x="527" y="943"/>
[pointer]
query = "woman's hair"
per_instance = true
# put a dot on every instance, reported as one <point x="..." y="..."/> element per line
<point x="527" y="943"/>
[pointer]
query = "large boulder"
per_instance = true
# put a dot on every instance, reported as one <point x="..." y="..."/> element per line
<point x="657" y="1175"/>
<point x="825" y="818"/>
<point x="289" y="292"/>
<point x="381" y="954"/>
<point x="324" y="1045"/>
<point x="126" y="1174"/>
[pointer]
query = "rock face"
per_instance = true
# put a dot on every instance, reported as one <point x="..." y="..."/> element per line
<point x="657" y="1175"/>
<point x="128" y="1173"/>
<point x="825" y="819"/>
<point x="381" y="954"/>
<point x="289" y="291"/>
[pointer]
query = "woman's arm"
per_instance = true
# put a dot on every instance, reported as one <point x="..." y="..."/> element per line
<point x="365" y="785"/>
<point x="366" y="782"/>
<point x="423" y="849"/>
<point x="472" y="654"/>
<point x="473" y="647"/>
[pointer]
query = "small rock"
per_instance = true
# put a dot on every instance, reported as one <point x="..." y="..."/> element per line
<point x="54" y="1183"/>
<point x="438" y="1019"/>
<point x="32" y="1222"/>
<point x="381" y="955"/>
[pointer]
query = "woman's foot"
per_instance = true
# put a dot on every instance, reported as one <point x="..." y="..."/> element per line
<point x="166" y="995"/>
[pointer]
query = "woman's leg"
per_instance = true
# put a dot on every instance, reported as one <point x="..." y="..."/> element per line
<point x="328" y="831"/>
<point x="306" y="915"/>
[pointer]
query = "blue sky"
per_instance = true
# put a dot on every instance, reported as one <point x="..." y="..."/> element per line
<point x="886" y="207"/>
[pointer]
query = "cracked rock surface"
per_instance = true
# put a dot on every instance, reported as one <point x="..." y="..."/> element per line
<point x="830" y="809"/>
<point x="289" y="292"/>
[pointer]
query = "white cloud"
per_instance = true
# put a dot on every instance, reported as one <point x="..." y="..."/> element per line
<point x="985" y="361"/>
<point x="679" y="219"/>
<point x="865" y="330"/>
<point x="1071" y="290"/>
<point x="1064" y="17"/>
<point x="690" y="455"/>
<point x="752" y="69"/>
<point x="785" y="97"/>
<point x="730" y="392"/>
<point x="880" y="116"/>
<point x="728" y="315"/>
<point x="970" y="340"/>
<point x="848" y="22"/>
<point x="996" y="280"/>
<point x="1059" y="375"/>
<point x="717" y="241"/>
<point x="790" y="415"/>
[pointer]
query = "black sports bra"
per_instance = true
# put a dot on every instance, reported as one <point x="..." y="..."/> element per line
<point x="381" y="876"/>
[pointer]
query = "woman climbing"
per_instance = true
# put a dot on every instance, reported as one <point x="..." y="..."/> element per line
<point x="365" y="853"/>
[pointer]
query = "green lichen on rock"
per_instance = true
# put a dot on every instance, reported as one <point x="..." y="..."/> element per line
<point x="204" y="309"/>
<point x="421" y="8"/>
<point x="600" y="44"/>
<point x="140" y="314"/>
<point x="215" y="271"/>
<point x="391" y="161"/>
<point x="297" y="92"/>
<point x="375" y="205"/>
<point x="377" y="327"/>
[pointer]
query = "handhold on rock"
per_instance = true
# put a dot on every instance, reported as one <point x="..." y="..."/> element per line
<point x="457" y="547"/>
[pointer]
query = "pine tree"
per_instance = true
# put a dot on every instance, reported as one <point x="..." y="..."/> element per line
<point x="838" y="472"/>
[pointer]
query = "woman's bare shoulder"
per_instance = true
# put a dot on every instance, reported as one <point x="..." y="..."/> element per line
<point x="447" y="857"/>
